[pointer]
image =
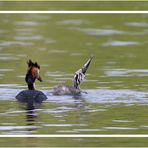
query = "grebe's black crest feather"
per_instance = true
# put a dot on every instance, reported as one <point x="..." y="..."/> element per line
<point x="31" y="64"/>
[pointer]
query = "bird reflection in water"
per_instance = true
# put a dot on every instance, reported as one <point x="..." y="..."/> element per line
<point x="31" y="119"/>
<point x="80" y="105"/>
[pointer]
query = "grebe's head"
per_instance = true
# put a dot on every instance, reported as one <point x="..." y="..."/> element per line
<point x="32" y="72"/>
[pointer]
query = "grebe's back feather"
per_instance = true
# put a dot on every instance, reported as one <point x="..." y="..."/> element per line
<point x="63" y="89"/>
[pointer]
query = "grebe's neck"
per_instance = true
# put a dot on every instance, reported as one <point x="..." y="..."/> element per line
<point x="31" y="86"/>
<point x="76" y="86"/>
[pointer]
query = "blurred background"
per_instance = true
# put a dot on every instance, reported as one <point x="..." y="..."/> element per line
<point x="61" y="43"/>
<point x="116" y="82"/>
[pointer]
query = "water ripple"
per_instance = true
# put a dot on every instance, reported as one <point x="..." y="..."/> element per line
<point x="27" y="23"/>
<point x="108" y="32"/>
<point x="120" y="128"/>
<point x="121" y="43"/>
<point x="63" y="125"/>
<point x="11" y="43"/>
<point x="73" y="22"/>
<point x="122" y="121"/>
<point x="137" y="24"/>
<point x="93" y="96"/>
<point x="57" y="74"/>
<point x="59" y="109"/>
<point x="101" y="32"/>
<point x="126" y="72"/>
<point x="57" y="51"/>
<point x="28" y="38"/>
<point x="17" y="127"/>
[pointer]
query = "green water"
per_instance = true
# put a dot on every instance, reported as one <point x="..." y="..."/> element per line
<point x="116" y="82"/>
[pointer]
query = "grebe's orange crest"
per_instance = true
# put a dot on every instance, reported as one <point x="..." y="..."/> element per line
<point x="33" y="68"/>
<point x="34" y="71"/>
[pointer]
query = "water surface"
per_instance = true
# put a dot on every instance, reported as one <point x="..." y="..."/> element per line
<point x="114" y="98"/>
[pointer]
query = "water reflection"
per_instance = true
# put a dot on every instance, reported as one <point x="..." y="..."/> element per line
<point x="31" y="123"/>
<point x="74" y="22"/>
<point x="136" y="24"/>
<point x="25" y="23"/>
<point x="80" y="105"/>
<point x="101" y="32"/>
<point x="31" y="116"/>
<point x="79" y="116"/>
<point x="125" y="72"/>
<point x="64" y="40"/>
<point x="121" y="43"/>
<point x="31" y="119"/>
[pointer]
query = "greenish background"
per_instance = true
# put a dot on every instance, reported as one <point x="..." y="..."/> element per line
<point x="116" y="82"/>
<point x="74" y="5"/>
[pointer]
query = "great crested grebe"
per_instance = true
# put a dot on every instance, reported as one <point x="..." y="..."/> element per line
<point x="63" y="89"/>
<point x="32" y="96"/>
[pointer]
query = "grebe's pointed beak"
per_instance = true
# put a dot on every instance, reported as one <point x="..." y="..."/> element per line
<point x="86" y="65"/>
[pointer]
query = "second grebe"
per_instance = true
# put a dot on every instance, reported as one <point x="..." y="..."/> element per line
<point x="31" y="95"/>
<point x="63" y="89"/>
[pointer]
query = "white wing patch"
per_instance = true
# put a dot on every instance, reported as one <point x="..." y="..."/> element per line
<point x="78" y="78"/>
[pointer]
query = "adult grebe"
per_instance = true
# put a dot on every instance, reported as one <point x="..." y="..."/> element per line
<point x="32" y="96"/>
<point x="63" y="89"/>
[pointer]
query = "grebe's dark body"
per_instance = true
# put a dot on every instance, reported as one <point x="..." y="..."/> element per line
<point x="63" y="89"/>
<point x="31" y="96"/>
